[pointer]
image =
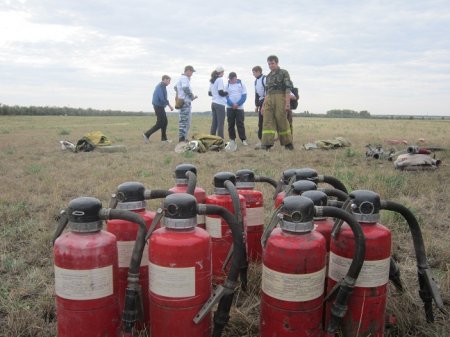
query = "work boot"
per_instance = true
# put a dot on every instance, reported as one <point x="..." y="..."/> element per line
<point x="289" y="146"/>
<point x="266" y="147"/>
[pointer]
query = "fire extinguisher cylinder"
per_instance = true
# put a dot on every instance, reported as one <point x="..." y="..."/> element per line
<point x="87" y="253"/>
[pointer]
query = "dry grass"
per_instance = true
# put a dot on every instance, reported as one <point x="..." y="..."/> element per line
<point x="38" y="179"/>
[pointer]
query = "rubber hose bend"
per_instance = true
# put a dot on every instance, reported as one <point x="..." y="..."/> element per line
<point x="262" y="179"/>
<point x="238" y="265"/>
<point x="138" y="249"/>
<point x="333" y="192"/>
<point x="192" y="182"/>
<point x="336" y="183"/>
<point x="156" y="194"/>
<point x="428" y="288"/>
<point x="339" y="307"/>
<point x="239" y="260"/>
<point x="133" y="310"/>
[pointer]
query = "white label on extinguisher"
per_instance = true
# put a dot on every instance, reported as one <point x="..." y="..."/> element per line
<point x="373" y="273"/>
<point x="255" y="216"/>
<point x="200" y="219"/>
<point x="125" y="250"/>
<point x="214" y="226"/>
<point x="84" y="284"/>
<point x="171" y="282"/>
<point x="292" y="287"/>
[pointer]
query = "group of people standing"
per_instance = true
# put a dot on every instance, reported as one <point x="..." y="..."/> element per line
<point x="273" y="94"/>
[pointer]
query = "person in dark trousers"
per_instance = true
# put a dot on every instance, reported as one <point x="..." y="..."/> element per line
<point x="260" y="94"/>
<point x="237" y="94"/>
<point x="160" y="102"/>
<point x="219" y="101"/>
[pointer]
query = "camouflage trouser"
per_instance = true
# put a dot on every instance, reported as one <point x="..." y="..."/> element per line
<point x="184" y="120"/>
<point x="275" y="120"/>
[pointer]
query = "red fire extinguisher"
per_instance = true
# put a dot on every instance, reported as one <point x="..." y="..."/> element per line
<point x="296" y="188"/>
<point x="186" y="181"/>
<point x="180" y="271"/>
<point x="254" y="201"/>
<point x="294" y="264"/>
<point x="225" y="195"/>
<point x="367" y="305"/>
<point x="291" y="175"/>
<point x="131" y="196"/>
<point x="86" y="269"/>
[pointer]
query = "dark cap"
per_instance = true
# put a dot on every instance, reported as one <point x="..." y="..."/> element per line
<point x="232" y="75"/>
<point x="191" y="68"/>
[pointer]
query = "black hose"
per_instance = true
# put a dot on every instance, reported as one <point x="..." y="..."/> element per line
<point x="336" y="183"/>
<point x="345" y="287"/>
<point x="238" y="265"/>
<point x="156" y="194"/>
<point x="133" y="302"/>
<point x="239" y="261"/>
<point x="262" y="179"/>
<point x="192" y="182"/>
<point x="333" y="192"/>
<point x="428" y="290"/>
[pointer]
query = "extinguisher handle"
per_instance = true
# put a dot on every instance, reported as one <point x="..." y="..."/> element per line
<point x="221" y="290"/>
<point x="155" y="221"/>
<point x="113" y="201"/>
<point x="63" y="220"/>
<point x="276" y="217"/>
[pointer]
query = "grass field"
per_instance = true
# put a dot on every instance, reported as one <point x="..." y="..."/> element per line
<point x="38" y="179"/>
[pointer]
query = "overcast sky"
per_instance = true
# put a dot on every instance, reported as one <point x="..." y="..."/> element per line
<point x="387" y="57"/>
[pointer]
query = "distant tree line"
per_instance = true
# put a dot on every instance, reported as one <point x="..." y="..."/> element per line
<point x="346" y="113"/>
<point x="68" y="111"/>
<point x="61" y="111"/>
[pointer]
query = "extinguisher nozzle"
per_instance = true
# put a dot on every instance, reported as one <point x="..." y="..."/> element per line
<point x="129" y="315"/>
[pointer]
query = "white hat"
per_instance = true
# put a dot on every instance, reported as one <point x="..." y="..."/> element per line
<point x="219" y="69"/>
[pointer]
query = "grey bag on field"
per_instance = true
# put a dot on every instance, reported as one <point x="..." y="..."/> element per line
<point x="415" y="162"/>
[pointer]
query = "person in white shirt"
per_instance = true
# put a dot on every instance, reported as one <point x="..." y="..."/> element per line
<point x="184" y="91"/>
<point x="260" y="94"/>
<point x="219" y="101"/>
<point x="237" y="94"/>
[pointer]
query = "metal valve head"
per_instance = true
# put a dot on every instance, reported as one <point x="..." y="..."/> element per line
<point x="245" y="179"/>
<point x="180" y="170"/>
<point x="365" y="205"/>
<point x="221" y="177"/>
<point x="83" y="214"/>
<point x="319" y="198"/>
<point x="297" y="214"/>
<point x="287" y="175"/>
<point x="306" y="174"/>
<point x="180" y="206"/>
<point x="302" y="186"/>
<point x="130" y="192"/>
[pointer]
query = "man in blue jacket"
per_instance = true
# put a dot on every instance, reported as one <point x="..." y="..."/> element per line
<point x="237" y="94"/>
<point x="159" y="102"/>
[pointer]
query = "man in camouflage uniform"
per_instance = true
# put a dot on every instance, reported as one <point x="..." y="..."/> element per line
<point x="184" y="90"/>
<point x="276" y="106"/>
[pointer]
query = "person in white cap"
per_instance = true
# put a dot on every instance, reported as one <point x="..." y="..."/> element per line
<point x="219" y="101"/>
<point x="184" y="91"/>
